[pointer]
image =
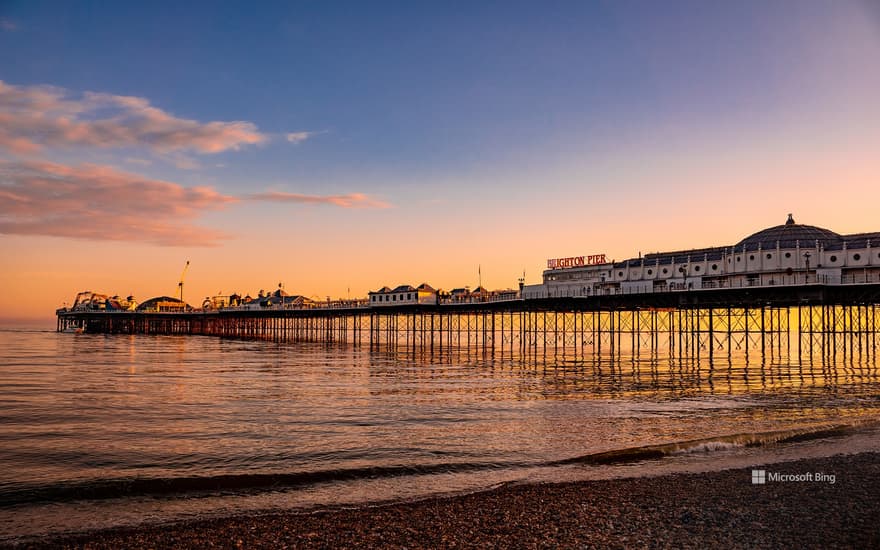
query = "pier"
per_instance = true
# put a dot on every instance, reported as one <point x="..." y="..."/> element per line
<point x="709" y="319"/>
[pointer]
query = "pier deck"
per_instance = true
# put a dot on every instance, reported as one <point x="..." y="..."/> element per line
<point x="570" y="323"/>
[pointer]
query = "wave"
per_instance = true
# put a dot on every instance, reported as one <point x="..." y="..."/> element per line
<point x="711" y="444"/>
<point x="261" y="482"/>
<point x="193" y="486"/>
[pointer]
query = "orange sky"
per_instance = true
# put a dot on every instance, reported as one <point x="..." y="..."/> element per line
<point x="325" y="252"/>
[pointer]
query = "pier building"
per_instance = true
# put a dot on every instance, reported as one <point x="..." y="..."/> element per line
<point x="424" y="294"/>
<point x="164" y="304"/>
<point x="783" y="255"/>
<point x="279" y="298"/>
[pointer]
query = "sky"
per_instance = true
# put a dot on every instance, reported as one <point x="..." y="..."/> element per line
<point x="337" y="147"/>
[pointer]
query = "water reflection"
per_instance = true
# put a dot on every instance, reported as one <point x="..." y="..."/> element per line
<point x="642" y="365"/>
<point x="84" y="410"/>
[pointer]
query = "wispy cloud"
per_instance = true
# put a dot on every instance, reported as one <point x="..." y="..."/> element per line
<point x="140" y="161"/>
<point x="351" y="200"/>
<point x="184" y="162"/>
<point x="103" y="203"/>
<point x="8" y="25"/>
<point x="298" y="137"/>
<point x="34" y="117"/>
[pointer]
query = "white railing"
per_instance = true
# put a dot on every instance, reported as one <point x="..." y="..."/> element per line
<point x="778" y="281"/>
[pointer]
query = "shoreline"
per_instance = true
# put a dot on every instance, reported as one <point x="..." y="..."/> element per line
<point x="720" y="508"/>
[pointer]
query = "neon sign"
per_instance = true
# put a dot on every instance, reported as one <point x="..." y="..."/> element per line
<point x="576" y="261"/>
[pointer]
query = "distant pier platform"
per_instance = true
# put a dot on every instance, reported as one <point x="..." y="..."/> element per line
<point x="520" y="325"/>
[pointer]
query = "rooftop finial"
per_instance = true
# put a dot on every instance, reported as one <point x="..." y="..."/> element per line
<point x="790" y="220"/>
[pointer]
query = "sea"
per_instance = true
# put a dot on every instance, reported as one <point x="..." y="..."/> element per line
<point x="101" y="431"/>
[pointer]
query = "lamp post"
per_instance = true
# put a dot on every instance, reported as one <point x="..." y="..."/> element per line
<point x="807" y="262"/>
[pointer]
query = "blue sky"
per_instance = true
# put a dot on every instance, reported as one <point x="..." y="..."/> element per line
<point x="410" y="89"/>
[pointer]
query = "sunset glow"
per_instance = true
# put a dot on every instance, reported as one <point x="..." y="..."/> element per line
<point x="336" y="149"/>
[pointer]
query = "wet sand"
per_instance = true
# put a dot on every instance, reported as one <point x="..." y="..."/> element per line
<point x="718" y="509"/>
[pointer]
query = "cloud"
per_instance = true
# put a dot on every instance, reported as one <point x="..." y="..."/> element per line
<point x="102" y="203"/>
<point x="136" y="160"/>
<point x="184" y="162"/>
<point x="298" y="137"/>
<point x="8" y="25"/>
<point x="34" y="117"/>
<point x="352" y="200"/>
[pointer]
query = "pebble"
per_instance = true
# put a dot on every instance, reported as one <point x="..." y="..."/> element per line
<point x="716" y="509"/>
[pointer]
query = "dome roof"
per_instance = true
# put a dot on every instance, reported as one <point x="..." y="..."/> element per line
<point x="163" y="303"/>
<point x="790" y="234"/>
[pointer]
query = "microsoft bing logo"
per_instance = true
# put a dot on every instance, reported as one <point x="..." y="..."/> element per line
<point x="759" y="477"/>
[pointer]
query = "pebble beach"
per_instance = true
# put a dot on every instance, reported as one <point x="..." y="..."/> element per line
<point x="716" y="509"/>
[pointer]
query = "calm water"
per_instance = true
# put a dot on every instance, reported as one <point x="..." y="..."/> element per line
<point x="106" y="430"/>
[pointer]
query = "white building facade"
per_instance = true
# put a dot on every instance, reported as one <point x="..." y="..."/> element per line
<point x="424" y="294"/>
<point x="784" y="255"/>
